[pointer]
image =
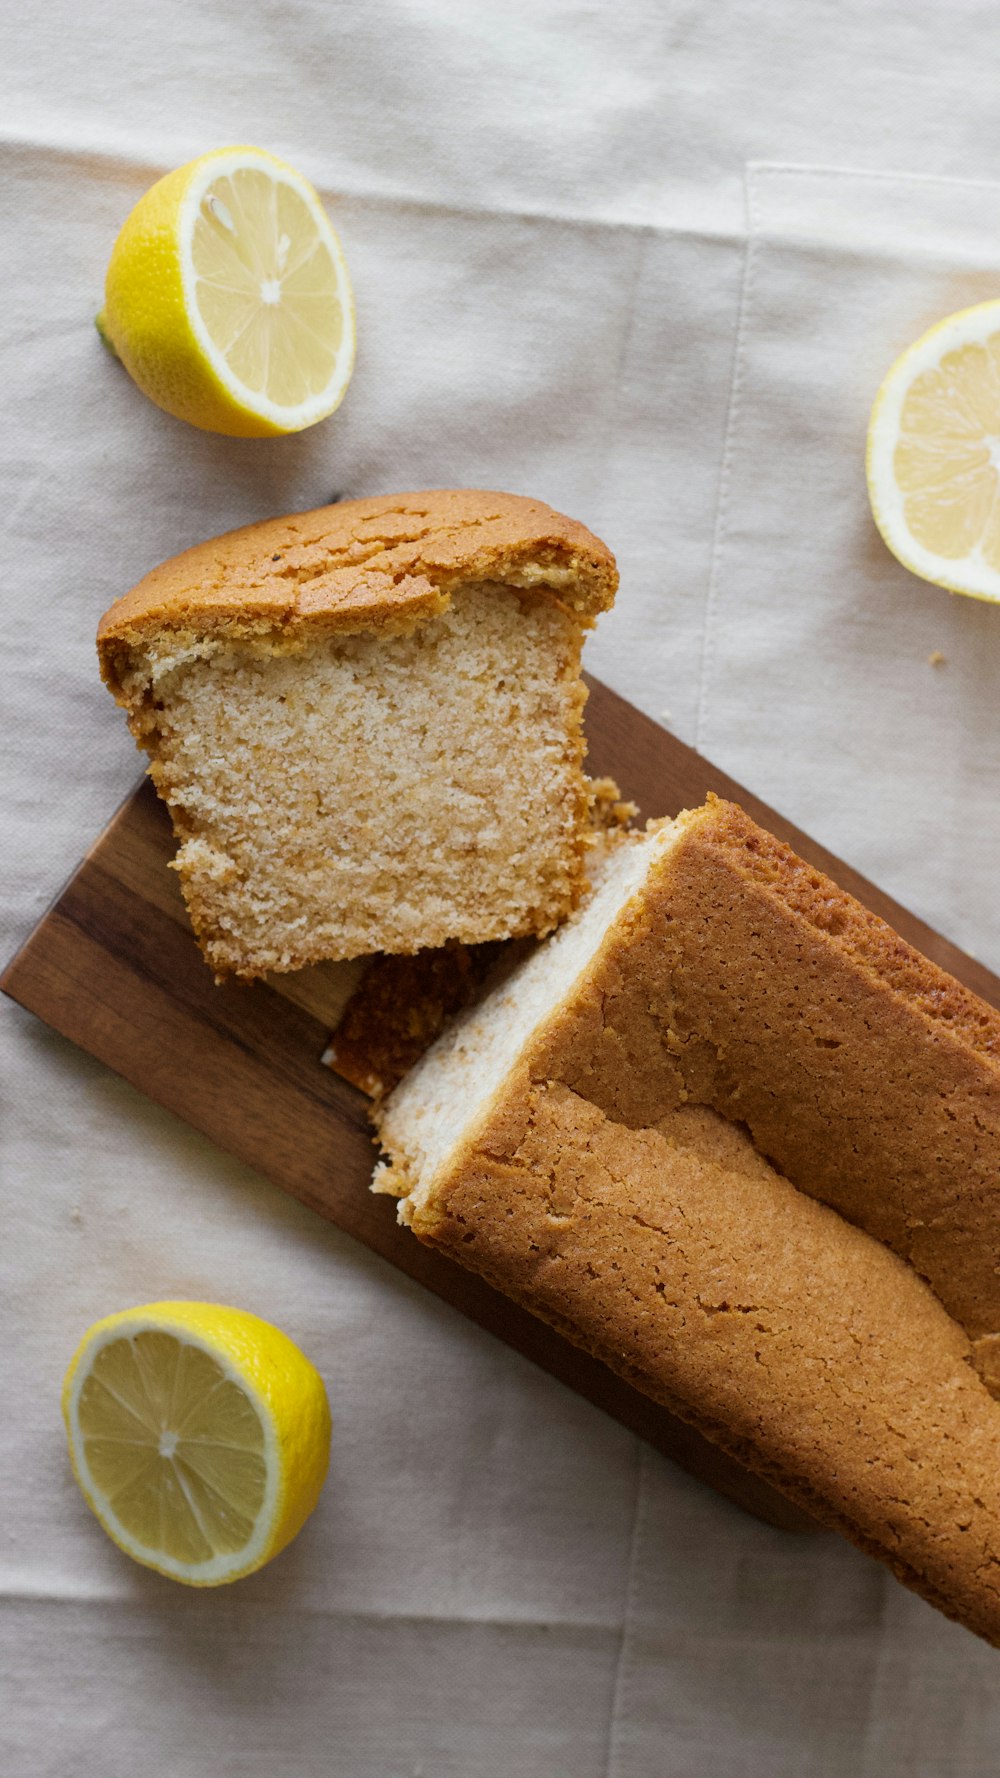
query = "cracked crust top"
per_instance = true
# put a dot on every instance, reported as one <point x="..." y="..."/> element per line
<point x="378" y="564"/>
<point x="743" y="1147"/>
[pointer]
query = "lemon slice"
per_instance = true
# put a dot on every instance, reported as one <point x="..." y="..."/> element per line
<point x="227" y="297"/>
<point x="199" y="1435"/>
<point x="934" y="454"/>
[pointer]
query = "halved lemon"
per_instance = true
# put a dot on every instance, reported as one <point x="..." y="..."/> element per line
<point x="933" y="457"/>
<point x="200" y="1436"/>
<point x="227" y="297"/>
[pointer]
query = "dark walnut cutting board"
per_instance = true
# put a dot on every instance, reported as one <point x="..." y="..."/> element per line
<point x="113" y="965"/>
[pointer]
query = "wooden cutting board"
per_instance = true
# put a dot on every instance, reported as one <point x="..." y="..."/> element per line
<point x="114" y="966"/>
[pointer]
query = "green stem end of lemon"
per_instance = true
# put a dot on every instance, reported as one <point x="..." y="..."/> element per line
<point x="100" y="322"/>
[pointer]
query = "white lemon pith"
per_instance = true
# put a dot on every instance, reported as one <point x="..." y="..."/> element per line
<point x="199" y="1435"/>
<point x="228" y="300"/>
<point x="933" y="456"/>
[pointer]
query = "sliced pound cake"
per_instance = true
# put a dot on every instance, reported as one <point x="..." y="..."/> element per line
<point x="633" y="1134"/>
<point x="367" y="723"/>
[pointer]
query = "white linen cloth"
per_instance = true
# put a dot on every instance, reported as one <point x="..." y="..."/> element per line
<point x="570" y="283"/>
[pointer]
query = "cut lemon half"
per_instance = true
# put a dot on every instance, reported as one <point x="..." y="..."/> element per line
<point x="933" y="456"/>
<point x="199" y="1435"/>
<point x="227" y="297"/>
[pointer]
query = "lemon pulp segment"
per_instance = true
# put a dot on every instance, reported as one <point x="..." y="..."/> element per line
<point x="266" y="287"/>
<point x="175" y="1447"/>
<point x="934" y="454"/>
<point x="199" y="1435"/>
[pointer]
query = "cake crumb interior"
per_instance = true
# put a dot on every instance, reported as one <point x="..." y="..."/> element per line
<point x="454" y="1084"/>
<point x="359" y="792"/>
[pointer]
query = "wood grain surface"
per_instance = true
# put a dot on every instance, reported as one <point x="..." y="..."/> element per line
<point x="114" y="967"/>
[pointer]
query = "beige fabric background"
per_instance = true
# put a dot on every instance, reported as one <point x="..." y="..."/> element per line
<point x="647" y="262"/>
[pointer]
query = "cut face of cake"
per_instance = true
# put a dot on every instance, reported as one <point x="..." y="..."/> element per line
<point x="726" y="1131"/>
<point x="367" y="724"/>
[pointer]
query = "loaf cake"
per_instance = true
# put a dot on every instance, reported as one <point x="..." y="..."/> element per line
<point x="367" y="723"/>
<point x="726" y="1131"/>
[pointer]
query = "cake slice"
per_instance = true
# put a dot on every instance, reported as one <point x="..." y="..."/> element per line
<point x="367" y="723"/>
<point x="631" y="1136"/>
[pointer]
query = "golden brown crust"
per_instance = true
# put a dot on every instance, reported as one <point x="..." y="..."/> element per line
<point x="377" y="564"/>
<point x="806" y="1349"/>
<point x="873" y="945"/>
<point x="869" y="1076"/>
<point x="741" y="983"/>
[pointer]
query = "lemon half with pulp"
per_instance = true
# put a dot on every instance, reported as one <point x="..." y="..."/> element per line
<point x="200" y="1436"/>
<point x="228" y="300"/>
<point x="933" y="456"/>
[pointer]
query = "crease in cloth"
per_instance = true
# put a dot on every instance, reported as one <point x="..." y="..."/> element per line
<point x="310" y="1609"/>
<point x="820" y="170"/>
<point x="756" y="174"/>
<point x="726" y="468"/>
<point x="619" y="1694"/>
<point x="125" y="159"/>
